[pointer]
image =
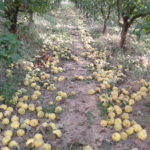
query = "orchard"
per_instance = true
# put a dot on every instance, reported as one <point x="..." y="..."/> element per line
<point x="74" y="75"/>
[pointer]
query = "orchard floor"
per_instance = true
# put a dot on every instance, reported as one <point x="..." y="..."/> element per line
<point x="81" y="115"/>
<point x="80" y="118"/>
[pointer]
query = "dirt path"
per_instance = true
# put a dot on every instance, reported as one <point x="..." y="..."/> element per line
<point x="80" y="117"/>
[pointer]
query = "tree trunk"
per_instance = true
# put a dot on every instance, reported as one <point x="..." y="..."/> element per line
<point x="31" y="21"/>
<point x="105" y="26"/>
<point x="11" y="13"/>
<point x="105" y="18"/>
<point x="13" y="19"/>
<point x="124" y="32"/>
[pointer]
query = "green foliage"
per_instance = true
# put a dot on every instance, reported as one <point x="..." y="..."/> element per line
<point x="9" y="85"/>
<point x="90" y="118"/>
<point x="103" y="110"/>
<point x="142" y="27"/>
<point x="49" y="109"/>
<point x="41" y="6"/>
<point x="8" y="90"/>
<point x="1" y="5"/>
<point x="95" y="8"/>
<point x="10" y="48"/>
<point x="128" y="12"/>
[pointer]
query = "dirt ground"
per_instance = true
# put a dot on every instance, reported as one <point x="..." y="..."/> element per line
<point x="80" y="119"/>
<point x="76" y="129"/>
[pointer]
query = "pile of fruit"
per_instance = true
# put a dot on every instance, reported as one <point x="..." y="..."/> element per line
<point x="33" y="120"/>
<point x="116" y="100"/>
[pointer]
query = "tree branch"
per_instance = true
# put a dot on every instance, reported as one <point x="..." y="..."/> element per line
<point x="138" y="16"/>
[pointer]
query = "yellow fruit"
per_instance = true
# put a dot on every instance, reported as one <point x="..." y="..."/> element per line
<point x="1" y="98"/>
<point x="110" y="121"/>
<point x="20" y="132"/>
<point x="27" y="121"/>
<point x="126" y="123"/>
<point x="15" y="124"/>
<point x="142" y="81"/>
<point x="1" y="115"/>
<point x="21" y="111"/>
<point x="87" y="147"/>
<point x="143" y="89"/>
<point x="5" y="121"/>
<point x="118" y="121"/>
<point x="58" y="109"/>
<point x="53" y="126"/>
<point x="46" y="146"/>
<point x="25" y="98"/>
<point x="37" y="93"/>
<point x="23" y="125"/>
<point x="73" y="93"/>
<point x="34" y="97"/>
<point x="130" y="131"/>
<point x="13" y="144"/>
<point x="38" y="143"/>
<point x="137" y="127"/>
<point x="133" y="96"/>
<point x="38" y="136"/>
<point x="33" y="85"/>
<point x="19" y="104"/>
<point x="64" y="95"/>
<point x="91" y="92"/>
<point x="40" y="114"/>
<point x="14" y="118"/>
<point x="52" y="116"/>
<point x="124" y="91"/>
<point x="79" y="77"/>
<point x="142" y="135"/>
<point x="57" y="133"/>
<point x="39" y="108"/>
<point x="44" y="124"/>
<point x="26" y="83"/>
<point x="128" y="108"/>
<point x="143" y="94"/>
<point x="117" y="127"/>
<point x="125" y="116"/>
<point x="131" y="102"/>
<point x="29" y="142"/>
<point x="134" y="148"/>
<point x="8" y="133"/>
<point x="58" y="98"/>
<point x="33" y="122"/>
<point x="3" y="106"/>
<point x="110" y="109"/>
<point x="24" y="106"/>
<point x="37" y="87"/>
<point x="103" y="123"/>
<point x="111" y="114"/>
<point x="133" y="122"/>
<point x="10" y="109"/>
<point x="124" y="135"/>
<point x="118" y="110"/>
<point x="116" y="137"/>
<point x="6" y="140"/>
<point x="5" y="148"/>
<point x="31" y="107"/>
<point x="138" y="98"/>
<point x="61" y="79"/>
<point x="97" y="89"/>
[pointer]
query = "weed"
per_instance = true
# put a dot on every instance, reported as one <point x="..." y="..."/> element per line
<point x="9" y="85"/>
<point x="103" y="110"/>
<point x="90" y="118"/>
<point x="49" y="109"/>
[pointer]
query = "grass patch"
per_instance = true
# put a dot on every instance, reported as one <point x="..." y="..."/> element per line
<point x="103" y="110"/>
